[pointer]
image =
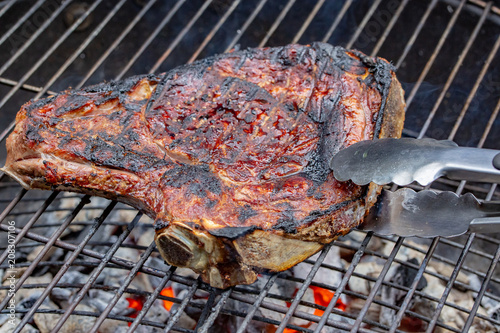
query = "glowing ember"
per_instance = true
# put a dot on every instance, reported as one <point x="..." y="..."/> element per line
<point x="168" y="292"/>
<point x="136" y="304"/>
<point x="323" y="297"/>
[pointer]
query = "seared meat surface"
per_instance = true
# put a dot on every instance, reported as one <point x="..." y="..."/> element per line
<point x="229" y="155"/>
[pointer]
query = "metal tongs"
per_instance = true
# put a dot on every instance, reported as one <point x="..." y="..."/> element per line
<point x="426" y="213"/>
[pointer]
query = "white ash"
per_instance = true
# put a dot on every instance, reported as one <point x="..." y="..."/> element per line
<point x="403" y="276"/>
<point x="184" y="321"/>
<point x="45" y="322"/>
<point x="64" y="296"/>
<point x="113" y="326"/>
<point x="156" y="263"/>
<point x="9" y="328"/>
<point x="100" y="299"/>
<point x="323" y="275"/>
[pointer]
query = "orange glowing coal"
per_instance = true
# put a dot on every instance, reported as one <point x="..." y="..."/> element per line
<point x="168" y="292"/>
<point x="322" y="297"/>
<point x="135" y="303"/>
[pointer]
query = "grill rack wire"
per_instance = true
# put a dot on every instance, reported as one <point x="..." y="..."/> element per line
<point x="17" y="86"/>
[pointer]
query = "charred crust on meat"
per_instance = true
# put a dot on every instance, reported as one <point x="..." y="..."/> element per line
<point x="184" y="174"/>
<point x="246" y="212"/>
<point x="232" y="232"/>
<point x="34" y="105"/>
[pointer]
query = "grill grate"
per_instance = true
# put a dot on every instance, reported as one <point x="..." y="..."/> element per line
<point x="446" y="53"/>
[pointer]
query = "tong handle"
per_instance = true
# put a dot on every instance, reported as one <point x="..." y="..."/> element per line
<point x="485" y="225"/>
<point x="496" y="161"/>
<point x="474" y="164"/>
<point x="403" y="161"/>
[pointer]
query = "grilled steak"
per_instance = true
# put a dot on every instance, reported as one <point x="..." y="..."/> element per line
<point x="229" y="155"/>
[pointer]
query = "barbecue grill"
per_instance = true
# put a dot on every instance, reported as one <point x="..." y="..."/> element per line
<point x="74" y="263"/>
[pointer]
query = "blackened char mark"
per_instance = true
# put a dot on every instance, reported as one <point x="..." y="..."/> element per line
<point x="290" y="225"/>
<point x="184" y="175"/>
<point x="38" y="104"/>
<point x="382" y="74"/>
<point x="73" y="102"/>
<point x="232" y="232"/>
<point x="112" y="155"/>
<point x="33" y="133"/>
<point x="121" y="86"/>
<point x="246" y="212"/>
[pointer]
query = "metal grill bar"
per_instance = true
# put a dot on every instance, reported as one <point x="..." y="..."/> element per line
<point x="95" y="273"/>
<point x="416" y="33"/>
<point x="85" y="200"/>
<point x="30" y="41"/>
<point x="170" y="324"/>
<point x="435" y="53"/>
<point x="45" y="55"/>
<point x="482" y="291"/>
<point x="377" y="285"/>
<point x="214" y="30"/>
<point x="363" y="23"/>
<point x="245" y="25"/>
<point x="430" y="273"/>
<point x="303" y="288"/>
<point x="487" y="130"/>
<point x="12" y="204"/>
<point x="454" y="72"/>
<point x="257" y="303"/>
<point x="276" y="23"/>
<point x="151" y="298"/>
<point x="150" y="38"/>
<point x="214" y="311"/>
<point x="308" y="21"/>
<point x="27" y="87"/>
<point x="180" y="36"/>
<point x="413" y="287"/>
<point x="65" y="267"/>
<point x="131" y="275"/>
<point x="82" y="47"/>
<point x="30" y="223"/>
<point x="335" y="23"/>
<point x="5" y="5"/>
<point x="452" y="279"/>
<point x="117" y="41"/>
<point x="389" y="27"/>
<point x="355" y="261"/>
<point x="20" y="21"/>
<point x="473" y="92"/>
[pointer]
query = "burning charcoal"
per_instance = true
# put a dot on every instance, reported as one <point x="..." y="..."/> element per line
<point x="354" y="306"/>
<point x="370" y="268"/>
<point x="45" y="322"/>
<point x="99" y="299"/>
<point x="184" y="321"/>
<point x="323" y="275"/>
<point x="157" y="263"/>
<point x="158" y="312"/>
<point x="23" y="293"/>
<point x="403" y="276"/>
<point x="63" y="296"/>
<point x="318" y="295"/>
<point x="355" y="238"/>
<point x="17" y="273"/>
<point x="113" y="326"/>
<point x="489" y="304"/>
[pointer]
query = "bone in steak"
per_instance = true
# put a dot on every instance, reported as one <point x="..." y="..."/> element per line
<point x="229" y="154"/>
